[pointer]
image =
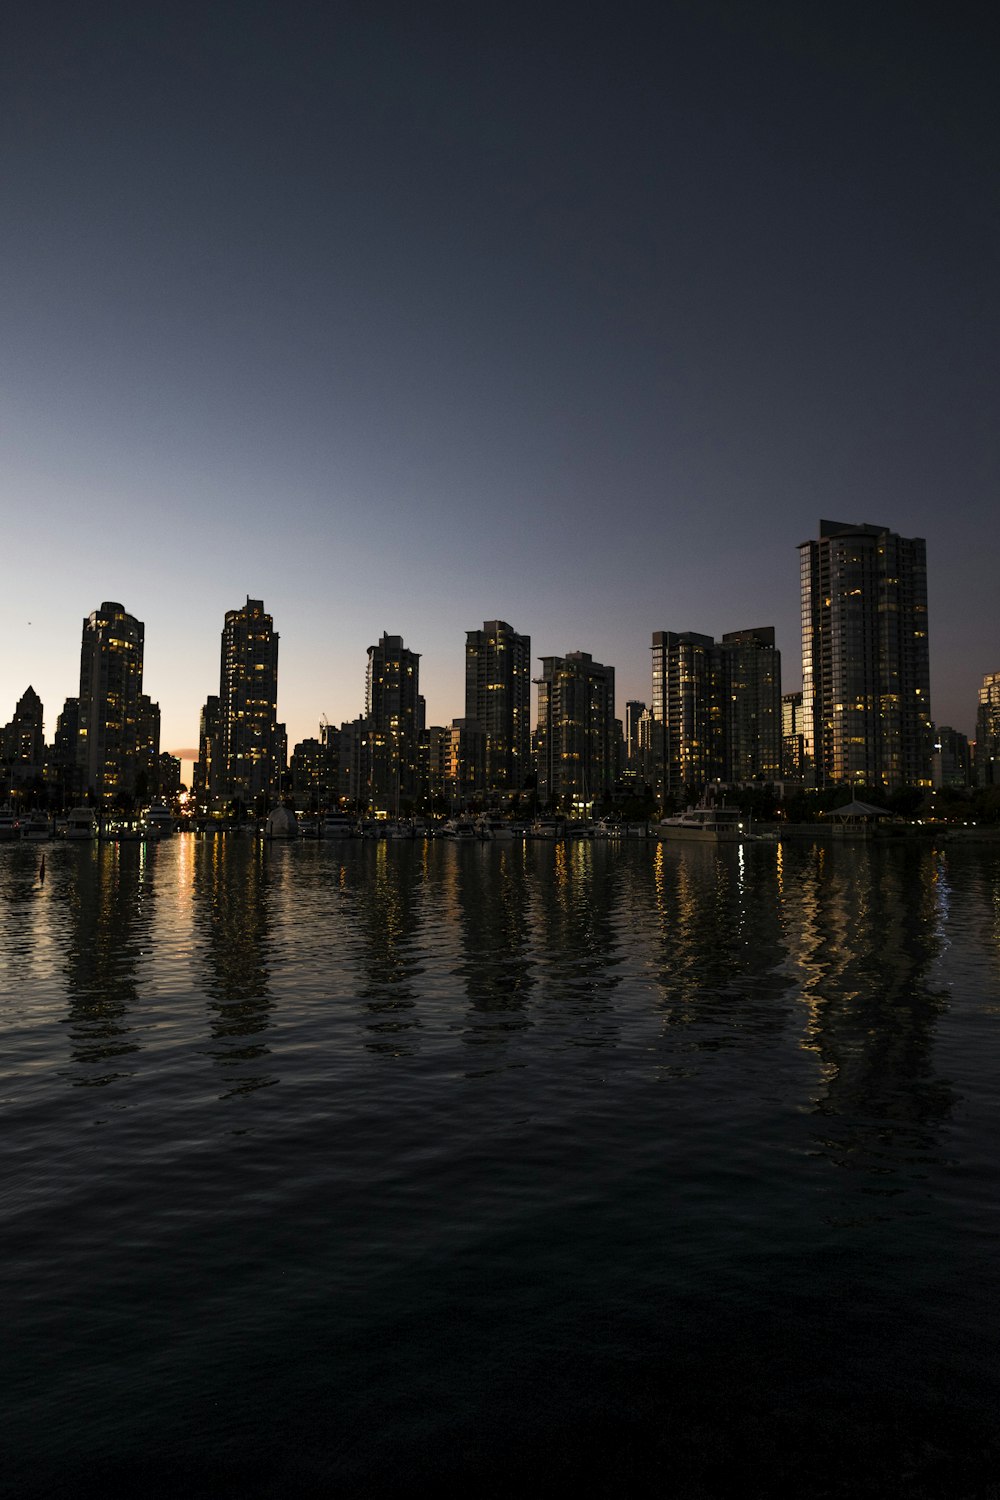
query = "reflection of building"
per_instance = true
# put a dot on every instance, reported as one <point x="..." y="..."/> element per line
<point x="251" y="757"/>
<point x="575" y="736"/>
<point x="716" y="709"/>
<point x="498" y="697"/>
<point x="115" y="722"/>
<point x="988" y="732"/>
<point x="865" y="659"/>
<point x="395" y="712"/>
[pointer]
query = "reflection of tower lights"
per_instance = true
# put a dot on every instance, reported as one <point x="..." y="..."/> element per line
<point x="660" y="880"/>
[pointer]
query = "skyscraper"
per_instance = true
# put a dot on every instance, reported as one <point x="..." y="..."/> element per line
<point x="250" y="748"/>
<point x="112" y="716"/>
<point x="865" y="657"/>
<point x="575" y="737"/>
<point x="988" y="732"/>
<point x="207" y="767"/>
<point x="22" y="741"/>
<point x="716" y="709"/>
<point x="748" y="691"/>
<point x="395" y="713"/>
<point x="498" y="697"/>
<point x="683" y="690"/>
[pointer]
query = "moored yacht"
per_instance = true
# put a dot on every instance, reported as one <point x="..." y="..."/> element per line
<point x="159" y="820"/>
<point x="8" y="825"/>
<point x="81" y="824"/>
<point x="34" y="827"/>
<point x="706" y="825"/>
<point x="494" y="828"/>
<point x="456" y="829"/>
<point x="338" y="825"/>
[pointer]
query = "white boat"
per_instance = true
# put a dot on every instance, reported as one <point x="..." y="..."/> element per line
<point x="81" y="824"/>
<point x="8" y="825"/>
<point x="281" y="824"/>
<point x="159" y="820"/>
<point x="548" y="828"/>
<point x="706" y="825"/>
<point x="338" y="825"/>
<point x="34" y="827"/>
<point x="494" y="828"/>
<point x="463" y="833"/>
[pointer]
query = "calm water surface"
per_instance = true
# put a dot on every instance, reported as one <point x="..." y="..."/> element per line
<point x="362" y="1169"/>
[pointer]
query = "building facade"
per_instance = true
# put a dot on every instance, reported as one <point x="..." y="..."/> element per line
<point x="951" y="764"/>
<point x="251" y="757"/>
<point x="394" y="710"/>
<point x="575" y="734"/>
<point x="716" y="710"/>
<point x="22" y="745"/>
<point x="498" y="698"/>
<point x="865" y="658"/>
<point x="682" y="697"/>
<point x="792" y="738"/>
<point x="987" y="765"/>
<point x="748" y="691"/>
<point x="115" y="719"/>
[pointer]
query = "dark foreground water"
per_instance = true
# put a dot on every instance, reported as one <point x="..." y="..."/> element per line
<point x="367" y="1169"/>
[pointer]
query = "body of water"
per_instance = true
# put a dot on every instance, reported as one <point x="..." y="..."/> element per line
<point x="362" y="1168"/>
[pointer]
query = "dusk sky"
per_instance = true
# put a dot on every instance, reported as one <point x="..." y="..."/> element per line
<point x="404" y="317"/>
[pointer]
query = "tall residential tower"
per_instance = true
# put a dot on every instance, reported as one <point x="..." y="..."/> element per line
<point x="498" y="698"/>
<point x="865" y="658"/>
<point x="116" y="724"/>
<point x="249" y="739"/>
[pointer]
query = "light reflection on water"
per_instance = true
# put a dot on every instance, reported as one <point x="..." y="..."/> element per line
<point x="590" y="1095"/>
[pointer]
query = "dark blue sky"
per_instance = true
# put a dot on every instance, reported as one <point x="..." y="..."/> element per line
<point x="405" y="317"/>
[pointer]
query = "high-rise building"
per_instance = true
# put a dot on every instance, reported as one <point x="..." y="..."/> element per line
<point x="498" y="697"/>
<point x="207" y="768"/>
<point x="634" y="711"/>
<point x="988" y="732"/>
<point x="63" y="770"/>
<point x="395" y="713"/>
<point x="951" y="764"/>
<point x="22" y="741"/>
<point x="575" y="736"/>
<point x="683" y="696"/>
<point x="792" y="739"/>
<point x="113" y="720"/>
<point x="252" y="755"/>
<point x="865" y="658"/>
<point x="748" y="693"/>
<point x="716" y="709"/>
<point x="147" y="753"/>
<point x="354" y="764"/>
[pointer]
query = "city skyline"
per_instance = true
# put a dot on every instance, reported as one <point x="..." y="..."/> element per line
<point x="188" y="751"/>
<point x="401" y="322"/>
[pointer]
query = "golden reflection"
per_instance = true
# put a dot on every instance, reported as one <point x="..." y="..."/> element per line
<point x="231" y="901"/>
<point x="864" y="929"/>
